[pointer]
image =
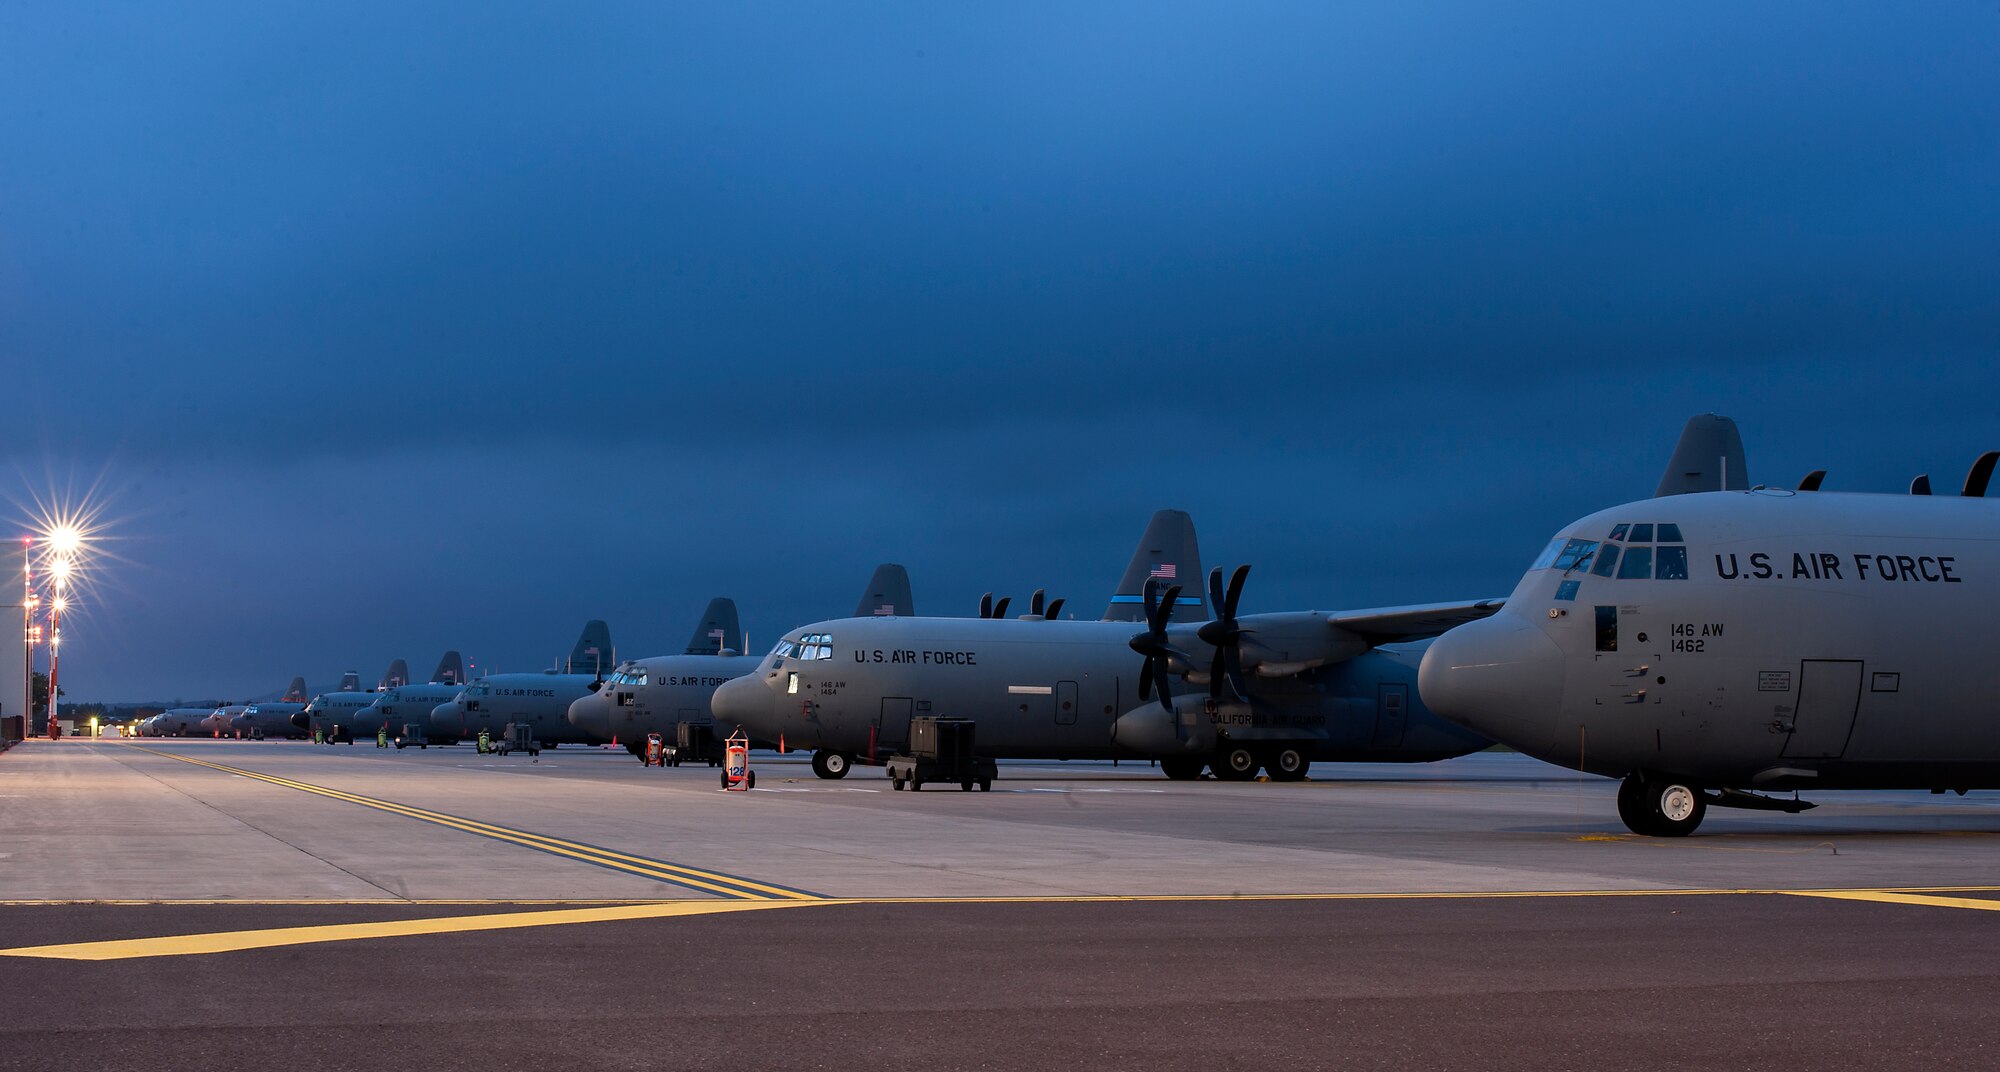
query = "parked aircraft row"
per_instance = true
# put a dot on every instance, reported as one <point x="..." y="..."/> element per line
<point x="1710" y="646"/>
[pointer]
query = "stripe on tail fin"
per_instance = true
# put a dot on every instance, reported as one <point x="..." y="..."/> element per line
<point x="718" y="629"/>
<point x="888" y="593"/>
<point x="297" y="693"/>
<point x="1167" y="552"/>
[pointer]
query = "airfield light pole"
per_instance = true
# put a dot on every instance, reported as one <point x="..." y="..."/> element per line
<point x="57" y="604"/>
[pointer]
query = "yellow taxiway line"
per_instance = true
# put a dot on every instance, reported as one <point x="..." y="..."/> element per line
<point x="693" y="878"/>
<point x="267" y="938"/>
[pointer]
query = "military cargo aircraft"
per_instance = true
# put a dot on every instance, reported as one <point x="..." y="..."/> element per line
<point x="331" y="714"/>
<point x="175" y="722"/>
<point x="656" y="695"/>
<point x="1713" y="649"/>
<point x="538" y="701"/>
<point x="400" y="706"/>
<point x="1039" y="687"/>
<point x="217" y="724"/>
<point x="272" y="718"/>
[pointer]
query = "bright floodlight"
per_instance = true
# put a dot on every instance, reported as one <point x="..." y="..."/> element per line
<point x="61" y="568"/>
<point x="64" y="540"/>
<point x="60" y="604"/>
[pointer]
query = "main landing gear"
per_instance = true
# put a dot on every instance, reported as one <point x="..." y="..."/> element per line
<point x="831" y="765"/>
<point x="1658" y="806"/>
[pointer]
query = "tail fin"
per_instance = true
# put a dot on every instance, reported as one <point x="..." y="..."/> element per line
<point x="592" y="654"/>
<point x="718" y="629"/>
<point x="1168" y="552"/>
<point x="350" y="682"/>
<point x="297" y="693"/>
<point x="1709" y="457"/>
<point x="395" y="677"/>
<point x="450" y="671"/>
<point x="888" y="594"/>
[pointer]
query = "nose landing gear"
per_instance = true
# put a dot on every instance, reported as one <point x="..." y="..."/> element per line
<point x="1658" y="806"/>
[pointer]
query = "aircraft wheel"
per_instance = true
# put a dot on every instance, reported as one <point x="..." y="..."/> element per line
<point x="1182" y="769"/>
<point x="916" y="783"/>
<point x="965" y="786"/>
<point x="829" y="764"/>
<point x="1235" y="763"/>
<point x="1660" y="807"/>
<point x="1288" y="764"/>
<point x="985" y="785"/>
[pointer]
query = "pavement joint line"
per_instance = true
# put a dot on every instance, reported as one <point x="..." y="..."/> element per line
<point x="268" y="938"/>
<point x="660" y="870"/>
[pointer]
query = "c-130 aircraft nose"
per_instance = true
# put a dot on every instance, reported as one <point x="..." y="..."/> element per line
<point x="592" y="715"/>
<point x="745" y="702"/>
<point x="448" y="720"/>
<point x="1500" y="676"/>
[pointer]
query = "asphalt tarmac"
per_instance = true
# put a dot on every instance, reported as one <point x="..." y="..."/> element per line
<point x="254" y="905"/>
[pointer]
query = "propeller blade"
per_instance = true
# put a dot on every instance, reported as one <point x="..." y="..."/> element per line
<point x="1055" y="607"/>
<point x="1921" y="485"/>
<point x="1812" y="480"/>
<point x="986" y="605"/>
<point x="1000" y="608"/>
<point x="1980" y="475"/>
<point x="1036" y="602"/>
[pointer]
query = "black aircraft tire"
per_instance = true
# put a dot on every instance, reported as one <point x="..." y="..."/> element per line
<point x="725" y="779"/>
<point x="831" y="765"/>
<point x="1288" y="763"/>
<point x="1235" y="763"/>
<point x="1660" y="807"/>
<point x="1182" y="769"/>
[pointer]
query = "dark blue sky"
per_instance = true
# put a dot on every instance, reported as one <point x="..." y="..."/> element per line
<point x="395" y="329"/>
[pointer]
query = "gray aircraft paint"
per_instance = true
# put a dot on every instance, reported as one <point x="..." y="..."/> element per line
<point x="656" y="695"/>
<point x="1054" y="689"/>
<point x="539" y="701"/>
<point x="176" y="722"/>
<point x="218" y="721"/>
<point x="1819" y="640"/>
<point x="273" y="718"/>
<point x="338" y="708"/>
<point x="397" y="706"/>
<point x="1050" y="690"/>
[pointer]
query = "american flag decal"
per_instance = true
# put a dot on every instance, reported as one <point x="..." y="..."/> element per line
<point x="1166" y="571"/>
<point x="886" y="610"/>
<point x="715" y="634"/>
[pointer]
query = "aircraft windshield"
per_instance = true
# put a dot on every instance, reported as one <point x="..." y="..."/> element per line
<point x="807" y="648"/>
<point x="629" y="677"/>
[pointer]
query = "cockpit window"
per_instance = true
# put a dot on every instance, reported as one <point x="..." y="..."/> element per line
<point x="1671" y="534"/>
<point x="1607" y="560"/>
<point x="1638" y="563"/>
<point x="813" y="646"/>
<point x="1641" y="534"/>
<point x="1618" y="533"/>
<point x="1548" y="556"/>
<point x="1672" y="564"/>
<point x="633" y="676"/>
<point x="1575" y="553"/>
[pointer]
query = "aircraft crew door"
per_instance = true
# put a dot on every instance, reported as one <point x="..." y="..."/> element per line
<point x="1065" y="703"/>
<point x="892" y="730"/>
<point x="1392" y="703"/>
<point x="1829" y="697"/>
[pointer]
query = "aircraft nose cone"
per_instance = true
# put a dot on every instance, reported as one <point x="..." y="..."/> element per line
<point x="744" y="702"/>
<point x="448" y="721"/>
<point x="592" y="715"/>
<point x="1500" y="676"/>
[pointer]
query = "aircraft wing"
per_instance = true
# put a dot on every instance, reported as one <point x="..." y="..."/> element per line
<point x="1387" y="625"/>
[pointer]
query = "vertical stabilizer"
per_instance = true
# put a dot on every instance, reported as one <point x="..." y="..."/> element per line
<point x="450" y="671"/>
<point x="718" y="629"/>
<point x="350" y="681"/>
<point x="888" y="594"/>
<point x="592" y="654"/>
<point x="1709" y="457"/>
<point x="395" y="677"/>
<point x="297" y="693"/>
<point x="1167" y="552"/>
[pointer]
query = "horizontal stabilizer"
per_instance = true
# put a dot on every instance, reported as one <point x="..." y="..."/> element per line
<point x="888" y="594"/>
<point x="718" y="629"/>
<point x="1709" y="457"/>
<point x="1388" y="625"/>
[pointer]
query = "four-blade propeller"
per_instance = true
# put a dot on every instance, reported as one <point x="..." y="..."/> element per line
<point x="1225" y="634"/>
<point x="1154" y="646"/>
